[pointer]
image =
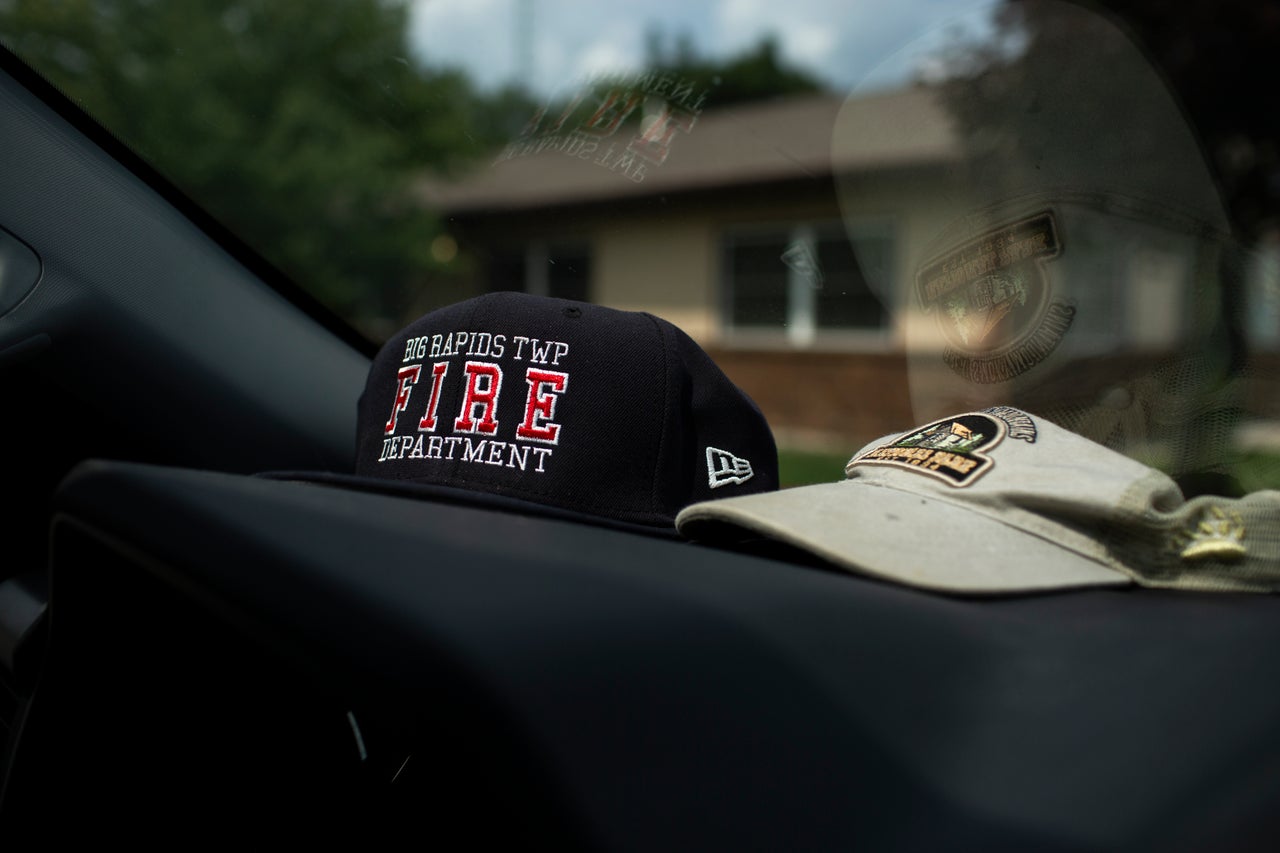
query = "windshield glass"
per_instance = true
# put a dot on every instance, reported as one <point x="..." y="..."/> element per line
<point x="870" y="216"/>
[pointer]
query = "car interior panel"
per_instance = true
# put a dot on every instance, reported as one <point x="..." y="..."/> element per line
<point x="217" y="622"/>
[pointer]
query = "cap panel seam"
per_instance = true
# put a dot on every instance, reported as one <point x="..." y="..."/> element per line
<point x="655" y="502"/>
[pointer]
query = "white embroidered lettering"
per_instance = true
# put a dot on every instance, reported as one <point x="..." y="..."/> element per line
<point x="474" y="452"/>
<point x="723" y="468"/>
<point x="495" y="452"/>
<point x="540" y="353"/>
<point x="519" y="456"/>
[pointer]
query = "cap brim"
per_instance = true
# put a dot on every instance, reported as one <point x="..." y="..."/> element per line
<point x="469" y="497"/>
<point x="900" y="536"/>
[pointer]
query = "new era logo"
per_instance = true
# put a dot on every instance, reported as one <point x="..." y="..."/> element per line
<point x="724" y="469"/>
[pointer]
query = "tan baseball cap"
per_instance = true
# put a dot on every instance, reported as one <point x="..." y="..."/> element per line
<point x="998" y="501"/>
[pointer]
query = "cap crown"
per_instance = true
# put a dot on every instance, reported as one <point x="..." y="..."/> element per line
<point x="611" y="413"/>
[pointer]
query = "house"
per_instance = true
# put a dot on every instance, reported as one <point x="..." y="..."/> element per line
<point x="796" y="240"/>
<point x="733" y="231"/>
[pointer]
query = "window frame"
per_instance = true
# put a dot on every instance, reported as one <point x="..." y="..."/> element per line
<point x="802" y="331"/>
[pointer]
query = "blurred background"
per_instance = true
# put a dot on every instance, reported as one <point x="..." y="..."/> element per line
<point x="776" y="179"/>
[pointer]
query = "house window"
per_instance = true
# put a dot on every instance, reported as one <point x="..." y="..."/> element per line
<point x="1264" y="296"/>
<point x="544" y="268"/>
<point x="806" y="279"/>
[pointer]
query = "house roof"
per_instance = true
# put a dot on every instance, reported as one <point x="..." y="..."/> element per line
<point x="784" y="139"/>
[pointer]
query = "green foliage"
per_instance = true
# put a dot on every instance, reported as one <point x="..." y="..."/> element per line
<point x="797" y="467"/>
<point x="691" y="83"/>
<point x="304" y="125"/>
<point x="1256" y="469"/>
<point x="301" y="124"/>
<point x="753" y="75"/>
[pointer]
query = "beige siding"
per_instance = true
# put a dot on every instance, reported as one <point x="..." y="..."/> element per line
<point x="920" y="205"/>
<point x="664" y="266"/>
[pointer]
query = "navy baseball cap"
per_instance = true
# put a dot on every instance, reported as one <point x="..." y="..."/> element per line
<point x="558" y="407"/>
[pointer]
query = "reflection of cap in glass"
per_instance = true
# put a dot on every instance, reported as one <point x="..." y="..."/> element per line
<point x="997" y="501"/>
<point x="1069" y="253"/>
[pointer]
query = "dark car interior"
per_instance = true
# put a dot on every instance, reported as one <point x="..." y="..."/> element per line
<point x="189" y="650"/>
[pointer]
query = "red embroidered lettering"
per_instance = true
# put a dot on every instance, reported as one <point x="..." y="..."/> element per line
<point x="540" y="405"/>
<point x="428" y="422"/>
<point x="484" y="382"/>
<point x="407" y="376"/>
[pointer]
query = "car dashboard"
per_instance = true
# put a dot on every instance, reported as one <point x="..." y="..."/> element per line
<point x="243" y="651"/>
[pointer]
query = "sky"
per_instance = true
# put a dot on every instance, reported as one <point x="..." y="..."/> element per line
<point x="555" y="44"/>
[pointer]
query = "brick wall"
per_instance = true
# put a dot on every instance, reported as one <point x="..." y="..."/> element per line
<point x="841" y="400"/>
<point x="826" y="398"/>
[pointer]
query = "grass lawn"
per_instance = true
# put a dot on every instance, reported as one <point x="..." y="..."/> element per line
<point x="1257" y="469"/>
<point x="805" y="467"/>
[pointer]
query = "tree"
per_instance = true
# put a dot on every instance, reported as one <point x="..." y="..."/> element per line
<point x="756" y="74"/>
<point x="298" y="123"/>
<point x="1215" y="56"/>
<point x="1065" y="107"/>
<point x="1219" y="57"/>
